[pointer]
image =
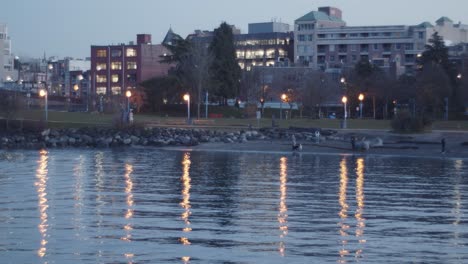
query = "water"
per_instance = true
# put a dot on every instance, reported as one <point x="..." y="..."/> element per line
<point x="160" y="206"/>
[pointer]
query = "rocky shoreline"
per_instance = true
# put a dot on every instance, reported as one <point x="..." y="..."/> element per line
<point x="158" y="137"/>
<point x="313" y="139"/>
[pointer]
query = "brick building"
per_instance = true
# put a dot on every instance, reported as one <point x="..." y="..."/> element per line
<point x="117" y="68"/>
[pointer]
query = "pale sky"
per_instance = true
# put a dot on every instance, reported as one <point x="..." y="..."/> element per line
<point x="68" y="28"/>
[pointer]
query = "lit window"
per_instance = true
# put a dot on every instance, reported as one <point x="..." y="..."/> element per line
<point x="131" y="65"/>
<point x="116" y="65"/>
<point x="131" y="52"/>
<point x="101" y="66"/>
<point x="101" y="78"/>
<point x="116" y="90"/>
<point x="116" y="53"/>
<point x="101" y="90"/>
<point x="115" y="78"/>
<point x="101" y="53"/>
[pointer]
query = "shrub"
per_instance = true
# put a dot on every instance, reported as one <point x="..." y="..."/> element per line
<point x="405" y="123"/>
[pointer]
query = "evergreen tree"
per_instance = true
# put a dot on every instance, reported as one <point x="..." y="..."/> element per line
<point x="225" y="72"/>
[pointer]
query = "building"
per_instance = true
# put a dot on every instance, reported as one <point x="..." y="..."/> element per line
<point x="117" y="68"/>
<point x="266" y="44"/>
<point x="324" y="41"/>
<point x="7" y="71"/>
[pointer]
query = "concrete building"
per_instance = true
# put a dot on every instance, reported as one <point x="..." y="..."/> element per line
<point x="323" y="41"/>
<point x="117" y="68"/>
<point x="7" y="71"/>
<point x="266" y="44"/>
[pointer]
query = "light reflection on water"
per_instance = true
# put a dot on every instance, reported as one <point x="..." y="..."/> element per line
<point x="143" y="205"/>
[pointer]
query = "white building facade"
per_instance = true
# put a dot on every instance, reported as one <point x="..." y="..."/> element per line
<point x="7" y="72"/>
<point x="323" y="41"/>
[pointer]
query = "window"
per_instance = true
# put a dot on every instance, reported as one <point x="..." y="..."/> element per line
<point x="310" y="37"/>
<point x="131" y="77"/>
<point x="311" y="59"/>
<point x="332" y="58"/>
<point x="131" y="52"/>
<point x="116" y="90"/>
<point x="115" y="78"/>
<point x="116" y="65"/>
<point x="353" y="35"/>
<point x="354" y="57"/>
<point x="302" y="27"/>
<point x="321" y="36"/>
<point x="398" y="46"/>
<point x="101" y="66"/>
<point x="116" y="53"/>
<point x="101" y="53"/>
<point x="131" y="65"/>
<point x="301" y="37"/>
<point x="101" y="78"/>
<point x="376" y="46"/>
<point x="101" y="90"/>
<point x="409" y="46"/>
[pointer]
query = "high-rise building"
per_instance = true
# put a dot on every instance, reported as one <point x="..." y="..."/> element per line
<point x="117" y="68"/>
<point x="324" y="41"/>
<point x="7" y="72"/>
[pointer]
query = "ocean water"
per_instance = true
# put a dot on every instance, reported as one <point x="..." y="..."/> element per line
<point x="144" y="205"/>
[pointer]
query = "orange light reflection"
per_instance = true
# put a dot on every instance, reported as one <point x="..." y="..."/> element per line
<point x="185" y="203"/>
<point x="41" y="188"/>
<point x="344" y="210"/>
<point x="360" y="221"/>
<point x="283" y="208"/>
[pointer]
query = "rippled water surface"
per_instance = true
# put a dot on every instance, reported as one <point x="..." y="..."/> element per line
<point x="157" y="206"/>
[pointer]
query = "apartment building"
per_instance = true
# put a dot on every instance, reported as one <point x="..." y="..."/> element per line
<point x="324" y="41"/>
<point x="117" y="68"/>
<point x="7" y="72"/>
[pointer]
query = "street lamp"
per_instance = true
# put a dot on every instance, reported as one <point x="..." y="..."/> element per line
<point x="283" y="98"/>
<point x="49" y="67"/>
<point x="128" y="94"/>
<point x="361" y="98"/>
<point x="43" y="93"/>
<point x="344" y="100"/>
<point x="187" y="98"/>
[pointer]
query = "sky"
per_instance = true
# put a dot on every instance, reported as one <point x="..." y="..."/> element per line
<point x="65" y="28"/>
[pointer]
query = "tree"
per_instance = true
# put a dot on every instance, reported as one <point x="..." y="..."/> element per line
<point x="192" y="61"/>
<point x="436" y="53"/>
<point x="225" y="72"/>
<point x="159" y="90"/>
<point x="433" y="85"/>
<point x="10" y="104"/>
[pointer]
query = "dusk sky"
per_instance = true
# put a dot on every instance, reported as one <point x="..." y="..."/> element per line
<point x="68" y="28"/>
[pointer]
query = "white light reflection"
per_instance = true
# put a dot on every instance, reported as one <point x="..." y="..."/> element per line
<point x="457" y="210"/>
<point x="78" y="196"/>
<point x="360" y="221"/>
<point x="130" y="208"/>
<point x="185" y="204"/>
<point x="99" y="186"/>
<point x="344" y="210"/>
<point x="283" y="208"/>
<point x="41" y="188"/>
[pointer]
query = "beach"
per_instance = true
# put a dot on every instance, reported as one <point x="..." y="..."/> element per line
<point x="393" y="144"/>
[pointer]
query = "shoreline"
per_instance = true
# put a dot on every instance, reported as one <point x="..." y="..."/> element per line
<point x="265" y="140"/>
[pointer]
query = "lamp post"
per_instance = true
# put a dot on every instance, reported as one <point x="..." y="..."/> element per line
<point x="48" y="67"/>
<point x="283" y="98"/>
<point x="128" y="94"/>
<point x="43" y="93"/>
<point x="361" y="98"/>
<point x="187" y="98"/>
<point x="344" y="100"/>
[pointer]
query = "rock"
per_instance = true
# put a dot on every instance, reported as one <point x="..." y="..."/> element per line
<point x="127" y="141"/>
<point x="45" y="133"/>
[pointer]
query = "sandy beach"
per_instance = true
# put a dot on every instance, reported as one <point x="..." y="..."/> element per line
<point x="411" y="145"/>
